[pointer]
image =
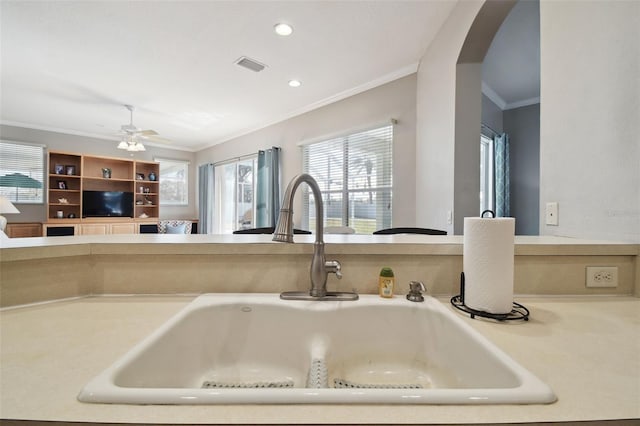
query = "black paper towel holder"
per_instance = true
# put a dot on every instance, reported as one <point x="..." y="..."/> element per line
<point x="518" y="312"/>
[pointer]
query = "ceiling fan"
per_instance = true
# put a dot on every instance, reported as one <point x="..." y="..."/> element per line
<point x="131" y="135"/>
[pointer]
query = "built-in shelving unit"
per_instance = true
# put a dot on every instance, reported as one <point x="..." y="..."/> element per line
<point x="147" y="197"/>
<point x="70" y="174"/>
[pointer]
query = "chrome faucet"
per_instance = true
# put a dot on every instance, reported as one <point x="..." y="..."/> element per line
<point x="320" y="267"/>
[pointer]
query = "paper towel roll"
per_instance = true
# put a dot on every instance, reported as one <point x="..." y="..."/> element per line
<point x="488" y="264"/>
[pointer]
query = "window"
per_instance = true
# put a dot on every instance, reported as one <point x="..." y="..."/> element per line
<point x="354" y="174"/>
<point x="22" y="172"/>
<point x="174" y="184"/>
<point x="235" y="188"/>
<point x="486" y="173"/>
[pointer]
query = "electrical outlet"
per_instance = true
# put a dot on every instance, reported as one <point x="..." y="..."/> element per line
<point x="602" y="276"/>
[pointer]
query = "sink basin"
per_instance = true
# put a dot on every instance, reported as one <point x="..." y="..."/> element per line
<point x="257" y="348"/>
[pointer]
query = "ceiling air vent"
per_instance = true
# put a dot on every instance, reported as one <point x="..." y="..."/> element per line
<point x="250" y="64"/>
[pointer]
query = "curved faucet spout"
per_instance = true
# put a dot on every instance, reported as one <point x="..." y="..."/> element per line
<point x="320" y="267"/>
<point x="284" y="227"/>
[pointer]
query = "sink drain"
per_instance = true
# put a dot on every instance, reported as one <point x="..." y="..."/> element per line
<point x="247" y="385"/>
<point x="346" y="384"/>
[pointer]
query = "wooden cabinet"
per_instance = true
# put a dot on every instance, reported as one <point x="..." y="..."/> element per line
<point x="70" y="174"/>
<point x="123" y="228"/>
<point x="94" y="228"/>
<point x="23" y="230"/>
<point x="108" y="228"/>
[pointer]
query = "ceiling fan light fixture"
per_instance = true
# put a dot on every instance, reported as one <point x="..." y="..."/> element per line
<point x="139" y="147"/>
<point x="123" y="145"/>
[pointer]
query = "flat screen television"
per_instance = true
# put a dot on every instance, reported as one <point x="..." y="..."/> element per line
<point x="107" y="204"/>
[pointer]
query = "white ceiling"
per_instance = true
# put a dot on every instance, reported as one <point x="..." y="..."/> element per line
<point x="71" y="66"/>
<point x="511" y="67"/>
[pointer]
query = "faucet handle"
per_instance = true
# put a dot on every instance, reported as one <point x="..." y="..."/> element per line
<point x="415" y="291"/>
<point x="334" y="267"/>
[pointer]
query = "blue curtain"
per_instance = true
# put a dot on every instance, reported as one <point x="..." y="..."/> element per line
<point x="268" y="187"/>
<point x="501" y="181"/>
<point x="206" y="181"/>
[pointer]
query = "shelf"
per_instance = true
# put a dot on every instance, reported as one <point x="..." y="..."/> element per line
<point x="64" y="204"/>
<point x="62" y="175"/>
<point x="107" y="179"/>
<point x="63" y="190"/>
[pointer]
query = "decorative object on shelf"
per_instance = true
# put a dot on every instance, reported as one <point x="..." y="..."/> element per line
<point x="139" y="202"/>
<point x="71" y="170"/>
<point x="6" y="206"/>
<point x="147" y="190"/>
<point x="58" y="169"/>
<point x="59" y="214"/>
<point x="63" y="201"/>
<point x="152" y="177"/>
<point x="71" y="216"/>
<point x="148" y="201"/>
<point x="106" y="173"/>
<point x="143" y="216"/>
<point x="62" y="184"/>
<point x="142" y="189"/>
<point x="140" y="176"/>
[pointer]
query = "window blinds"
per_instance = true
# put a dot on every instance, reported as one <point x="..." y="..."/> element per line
<point x="354" y="173"/>
<point x="22" y="172"/>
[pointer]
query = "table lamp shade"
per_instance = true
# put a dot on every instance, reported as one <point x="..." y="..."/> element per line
<point x="6" y="206"/>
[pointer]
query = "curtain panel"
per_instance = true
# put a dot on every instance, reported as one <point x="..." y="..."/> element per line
<point x="206" y="207"/>
<point x="501" y="170"/>
<point x="268" y="187"/>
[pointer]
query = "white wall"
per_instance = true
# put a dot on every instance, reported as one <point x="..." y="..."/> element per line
<point x="85" y="145"/>
<point x="590" y="118"/>
<point x="436" y="112"/>
<point x="396" y="100"/>
<point x="590" y="132"/>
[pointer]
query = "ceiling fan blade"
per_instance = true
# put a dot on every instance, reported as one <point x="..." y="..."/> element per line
<point x="158" y="139"/>
<point x="147" y="132"/>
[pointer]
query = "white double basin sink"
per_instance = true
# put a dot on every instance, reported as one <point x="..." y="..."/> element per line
<point x="256" y="348"/>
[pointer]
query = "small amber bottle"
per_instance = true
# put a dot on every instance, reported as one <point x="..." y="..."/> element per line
<point x="386" y="282"/>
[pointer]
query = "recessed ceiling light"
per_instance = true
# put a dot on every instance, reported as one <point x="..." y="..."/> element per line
<point x="283" y="29"/>
<point x="294" y="83"/>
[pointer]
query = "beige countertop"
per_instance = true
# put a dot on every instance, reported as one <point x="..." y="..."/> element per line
<point x="586" y="348"/>
<point x="15" y="249"/>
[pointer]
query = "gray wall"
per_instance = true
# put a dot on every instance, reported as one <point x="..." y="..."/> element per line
<point x="523" y="127"/>
<point x="396" y="99"/>
<point x="92" y="146"/>
<point x="491" y="114"/>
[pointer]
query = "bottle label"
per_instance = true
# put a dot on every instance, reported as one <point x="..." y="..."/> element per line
<point x="386" y="287"/>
